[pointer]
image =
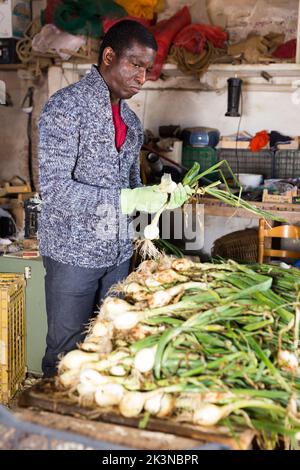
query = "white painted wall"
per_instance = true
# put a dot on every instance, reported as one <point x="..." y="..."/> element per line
<point x="261" y="110"/>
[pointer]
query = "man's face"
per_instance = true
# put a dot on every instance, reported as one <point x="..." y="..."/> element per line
<point x="127" y="73"/>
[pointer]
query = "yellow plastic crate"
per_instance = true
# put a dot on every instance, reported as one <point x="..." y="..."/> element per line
<point x="12" y="335"/>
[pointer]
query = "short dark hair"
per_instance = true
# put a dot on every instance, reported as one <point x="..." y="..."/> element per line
<point x="123" y="34"/>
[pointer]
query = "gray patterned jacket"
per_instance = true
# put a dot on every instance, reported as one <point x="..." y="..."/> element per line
<point x="82" y="173"/>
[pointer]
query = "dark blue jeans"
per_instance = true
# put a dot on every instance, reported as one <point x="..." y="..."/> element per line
<point x="73" y="295"/>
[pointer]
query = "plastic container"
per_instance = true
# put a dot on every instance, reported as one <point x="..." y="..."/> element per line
<point x="287" y="164"/>
<point x="245" y="161"/>
<point x="248" y="180"/>
<point x="206" y="156"/>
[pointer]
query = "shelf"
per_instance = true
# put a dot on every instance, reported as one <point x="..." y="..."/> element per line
<point x="275" y="69"/>
<point x="10" y="67"/>
<point x="278" y="68"/>
<point x="283" y="77"/>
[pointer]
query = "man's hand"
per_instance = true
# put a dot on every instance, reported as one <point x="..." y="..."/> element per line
<point x="145" y="199"/>
<point x="179" y="196"/>
<point x="152" y="198"/>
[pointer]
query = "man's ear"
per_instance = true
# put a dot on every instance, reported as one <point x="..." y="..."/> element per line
<point x="108" y="56"/>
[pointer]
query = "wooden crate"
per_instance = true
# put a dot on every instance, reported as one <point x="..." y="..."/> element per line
<point x="14" y="189"/>
<point x="286" y="198"/>
<point x="160" y="433"/>
<point x="12" y="335"/>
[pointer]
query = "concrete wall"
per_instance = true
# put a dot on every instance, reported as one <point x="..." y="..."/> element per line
<point x="261" y="110"/>
<point x="13" y="121"/>
<point x="241" y="17"/>
<point x="14" y="152"/>
<point x="13" y="139"/>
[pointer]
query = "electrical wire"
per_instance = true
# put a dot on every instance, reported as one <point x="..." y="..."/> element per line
<point x="237" y="136"/>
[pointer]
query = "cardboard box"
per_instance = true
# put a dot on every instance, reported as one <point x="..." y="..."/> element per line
<point x="15" y="16"/>
<point x="286" y="198"/>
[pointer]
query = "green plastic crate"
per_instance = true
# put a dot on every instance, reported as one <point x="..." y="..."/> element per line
<point x="205" y="156"/>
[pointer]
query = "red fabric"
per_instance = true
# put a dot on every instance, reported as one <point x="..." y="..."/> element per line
<point x="108" y="22"/>
<point x="194" y="36"/>
<point x="164" y="33"/>
<point x="120" y="126"/>
<point x="50" y="9"/>
<point x="286" y="50"/>
<point x="259" y="141"/>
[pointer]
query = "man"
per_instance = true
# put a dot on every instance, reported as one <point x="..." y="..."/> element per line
<point x="89" y="163"/>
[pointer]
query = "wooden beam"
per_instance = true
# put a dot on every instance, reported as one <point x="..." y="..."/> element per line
<point x="214" y="207"/>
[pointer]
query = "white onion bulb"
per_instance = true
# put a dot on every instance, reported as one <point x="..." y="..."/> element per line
<point x="113" y="307"/>
<point x="166" y="405"/>
<point x="68" y="378"/>
<point x="144" y="359"/>
<point x="86" y="394"/>
<point x="151" y="232"/>
<point x="152" y="405"/>
<point x="117" y="371"/>
<point x="207" y="414"/>
<point x="167" y="185"/>
<point x="288" y="360"/>
<point x="132" y="404"/>
<point x="133" y="288"/>
<point x="160" y="405"/>
<point x="89" y="346"/>
<point x="75" y="359"/>
<point x="126" y="321"/>
<point x="91" y="376"/>
<point x="109" y="394"/>
<point x="102" y="328"/>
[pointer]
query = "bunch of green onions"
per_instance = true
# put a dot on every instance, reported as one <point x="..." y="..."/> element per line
<point x="149" y="247"/>
<point x="208" y="344"/>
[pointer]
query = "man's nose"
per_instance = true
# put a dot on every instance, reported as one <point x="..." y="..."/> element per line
<point x="141" y="78"/>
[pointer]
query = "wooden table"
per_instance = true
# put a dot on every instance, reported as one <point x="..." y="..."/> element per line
<point x="214" y="207"/>
<point x="42" y="404"/>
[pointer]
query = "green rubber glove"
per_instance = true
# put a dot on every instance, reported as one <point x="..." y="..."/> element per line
<point x="179" y="196"/>
<point x="145" y="199"/>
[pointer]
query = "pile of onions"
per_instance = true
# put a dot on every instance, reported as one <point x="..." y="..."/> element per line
<point x="196" y="342"/>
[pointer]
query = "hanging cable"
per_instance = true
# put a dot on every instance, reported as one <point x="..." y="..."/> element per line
<point x="27" y="107"/>
<point x="237" y="136"/>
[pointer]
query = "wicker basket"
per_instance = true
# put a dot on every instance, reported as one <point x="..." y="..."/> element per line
<point x="239" y="246"/>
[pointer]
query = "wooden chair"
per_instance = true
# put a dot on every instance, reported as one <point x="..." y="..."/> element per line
<point x="282" y="231"/>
